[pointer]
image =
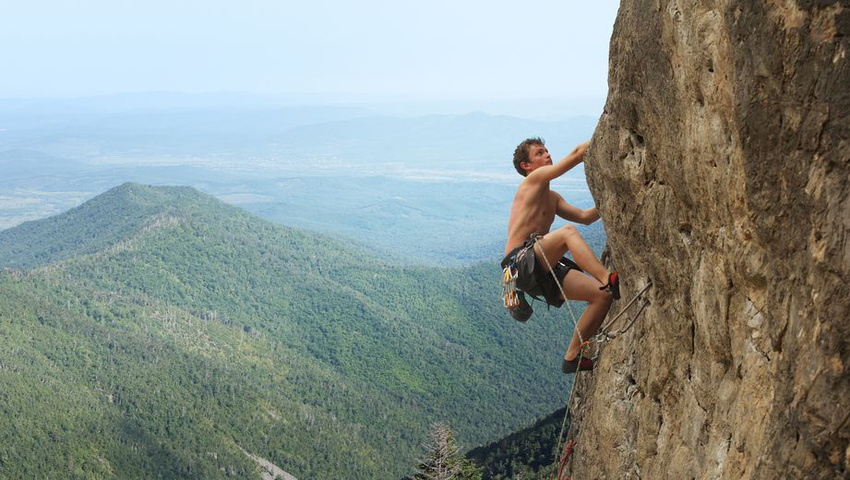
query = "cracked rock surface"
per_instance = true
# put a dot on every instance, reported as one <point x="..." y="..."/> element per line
<point x="721" y="167"/>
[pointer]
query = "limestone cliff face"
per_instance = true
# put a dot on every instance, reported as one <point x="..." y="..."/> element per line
<point x="721" y="166"/>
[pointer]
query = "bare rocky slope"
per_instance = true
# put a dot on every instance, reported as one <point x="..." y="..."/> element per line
<point x="721" y="166"/>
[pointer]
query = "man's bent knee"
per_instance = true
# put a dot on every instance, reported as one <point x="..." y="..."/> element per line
<point x="569" y="230"/>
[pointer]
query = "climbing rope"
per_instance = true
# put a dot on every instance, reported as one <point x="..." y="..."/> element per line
<point x="537" y="238"/>
<point x="600" y="338"/>
<point x="562" y="464"/>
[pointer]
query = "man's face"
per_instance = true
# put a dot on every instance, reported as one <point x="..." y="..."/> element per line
<point x="538" y="156"/>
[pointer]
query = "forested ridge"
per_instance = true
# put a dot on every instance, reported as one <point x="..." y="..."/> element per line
<point x="529" y="453"/>
<point x="156" y="332"/>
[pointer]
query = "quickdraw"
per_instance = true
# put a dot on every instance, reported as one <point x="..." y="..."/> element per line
<point x="605" y="335"/>
<point x="509" y="293"/>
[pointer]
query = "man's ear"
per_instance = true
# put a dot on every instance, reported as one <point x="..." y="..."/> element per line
<point x="525" y="165"/>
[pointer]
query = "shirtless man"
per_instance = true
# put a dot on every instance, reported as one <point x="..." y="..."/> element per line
<point x="533" y="212"/>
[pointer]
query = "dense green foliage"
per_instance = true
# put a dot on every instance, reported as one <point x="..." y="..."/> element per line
<point x="526" y="454"/>
<point x="186" y="330"/>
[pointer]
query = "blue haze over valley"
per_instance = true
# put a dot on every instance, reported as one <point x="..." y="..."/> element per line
<point x="424" y="187"/>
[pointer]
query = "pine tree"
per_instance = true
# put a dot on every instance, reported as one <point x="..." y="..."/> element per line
<point x="442" y="461"/>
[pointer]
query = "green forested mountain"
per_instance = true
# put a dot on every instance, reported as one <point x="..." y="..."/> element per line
<point x="158" y="333"/>
<point x="102" y="222"/>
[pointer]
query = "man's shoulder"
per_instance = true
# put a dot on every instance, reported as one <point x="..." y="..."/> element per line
<point x="532" y="193"/>
<point x="532" y="182"/>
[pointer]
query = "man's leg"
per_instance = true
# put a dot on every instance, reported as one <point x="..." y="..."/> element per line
<point x="579" y="286"/>
<point x="555" y="244"/>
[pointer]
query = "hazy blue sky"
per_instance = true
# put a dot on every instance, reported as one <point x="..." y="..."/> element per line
<point x="554" y="48"/>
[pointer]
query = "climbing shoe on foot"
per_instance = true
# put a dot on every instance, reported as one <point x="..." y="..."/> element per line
<point x="613" y="285"/>
<point x="571" y="366"/>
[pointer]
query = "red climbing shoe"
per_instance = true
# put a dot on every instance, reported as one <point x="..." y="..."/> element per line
<point x="570" y="366"/>
<point x="613" y="285"/>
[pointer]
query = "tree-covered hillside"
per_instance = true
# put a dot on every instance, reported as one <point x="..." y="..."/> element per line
<point x="528" y="454"/>
<point x="102" y="222"/>
<point x="163" y="332"/>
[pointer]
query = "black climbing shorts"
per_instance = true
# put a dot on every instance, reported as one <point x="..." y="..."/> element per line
<point x="532" y="276"/>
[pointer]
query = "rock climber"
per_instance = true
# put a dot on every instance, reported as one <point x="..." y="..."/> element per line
<point x="533" y="211"/>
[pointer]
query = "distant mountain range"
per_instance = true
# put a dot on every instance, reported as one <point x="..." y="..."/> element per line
<point x="157" y="332"/>
<point x="435" y="189"/>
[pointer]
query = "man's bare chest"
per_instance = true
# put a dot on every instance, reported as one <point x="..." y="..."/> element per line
<point x="541" y="208"/>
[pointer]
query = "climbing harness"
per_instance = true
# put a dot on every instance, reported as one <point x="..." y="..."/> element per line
<point x="599" y="339"/>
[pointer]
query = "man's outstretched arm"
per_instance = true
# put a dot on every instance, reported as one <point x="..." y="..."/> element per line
<point x="551" y="172"/>
<point x="575" y="214"/>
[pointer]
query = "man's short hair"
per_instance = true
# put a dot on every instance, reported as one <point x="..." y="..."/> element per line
<point x="521" y="152"/>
